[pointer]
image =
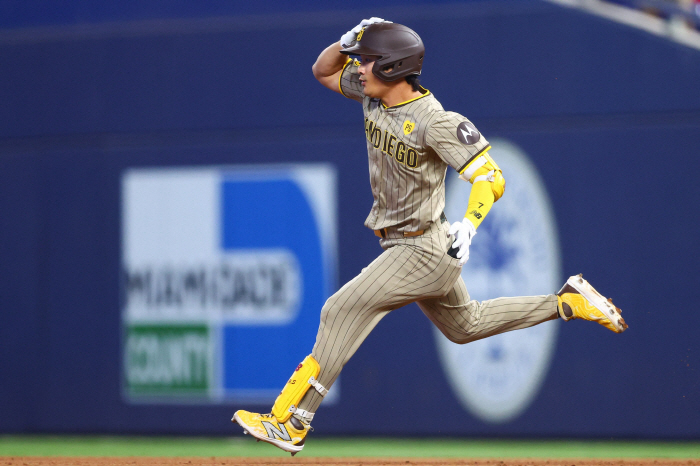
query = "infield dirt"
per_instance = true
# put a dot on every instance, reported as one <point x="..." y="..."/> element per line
<point x="216" y="461"/>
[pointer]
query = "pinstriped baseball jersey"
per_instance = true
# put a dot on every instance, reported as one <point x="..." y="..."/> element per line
<point x="410" y="146"/>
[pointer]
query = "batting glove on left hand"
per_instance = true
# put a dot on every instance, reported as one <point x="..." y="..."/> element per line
<point x="463" y="232"/>
<point x="349" y="37"/>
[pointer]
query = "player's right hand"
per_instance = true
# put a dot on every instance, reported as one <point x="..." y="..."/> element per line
<point x="349" y="37"/>
<point x="463" y="232"/>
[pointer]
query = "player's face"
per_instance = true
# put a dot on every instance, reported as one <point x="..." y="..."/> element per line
<point x="373" y="86"/>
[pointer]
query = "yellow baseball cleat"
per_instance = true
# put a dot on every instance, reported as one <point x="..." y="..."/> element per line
<point x="289" y="436"/>
<point x="579" y="300"/>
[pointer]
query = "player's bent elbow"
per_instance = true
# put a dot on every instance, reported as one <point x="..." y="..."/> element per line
<point x="320" y="72"/>
<point x="331" y="82"/>
<point x="498" y="185"/>
<point x="315" y="71"/>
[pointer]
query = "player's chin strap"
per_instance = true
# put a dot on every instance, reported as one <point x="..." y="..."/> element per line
<point x="303" y="378"/>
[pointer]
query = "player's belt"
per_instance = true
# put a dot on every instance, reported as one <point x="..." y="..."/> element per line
<point x="384" y="232"/>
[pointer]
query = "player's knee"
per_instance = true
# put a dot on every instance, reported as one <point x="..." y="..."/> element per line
<point x="459" y="339"/>
<point x="466" y="335"/>
<point x="328" y="309"/>
<point x="462" y="338"/>
<point x="333" y="307"/>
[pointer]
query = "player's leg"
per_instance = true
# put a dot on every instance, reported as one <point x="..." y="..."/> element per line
<point x="463" y="320"/>
<point x="346" y="319"/>
<point x="399" y="276"/>
<point x="407" y="269"/>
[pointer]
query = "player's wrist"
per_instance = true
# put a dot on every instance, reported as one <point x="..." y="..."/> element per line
<point x="468" y="228"/>
<point x="469" y="224"/>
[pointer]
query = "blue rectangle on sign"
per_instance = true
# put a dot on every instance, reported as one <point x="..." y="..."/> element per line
<point x="273" y="219"/>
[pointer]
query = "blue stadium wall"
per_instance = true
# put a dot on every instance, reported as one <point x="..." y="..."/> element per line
<point x="609" y="115"/>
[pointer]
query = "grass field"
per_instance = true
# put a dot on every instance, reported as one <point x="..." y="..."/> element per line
<point x="341" y="447"/>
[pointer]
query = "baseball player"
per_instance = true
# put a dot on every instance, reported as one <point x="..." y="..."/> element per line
<point x="411" y="141"/>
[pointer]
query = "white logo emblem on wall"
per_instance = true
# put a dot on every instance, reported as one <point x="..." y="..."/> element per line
<point x="516" y="253"/>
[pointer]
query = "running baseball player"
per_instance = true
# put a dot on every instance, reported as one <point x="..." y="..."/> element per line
<point x="411" y="141"/>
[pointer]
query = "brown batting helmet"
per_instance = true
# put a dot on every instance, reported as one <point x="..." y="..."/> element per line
<point x="396" y="46"/>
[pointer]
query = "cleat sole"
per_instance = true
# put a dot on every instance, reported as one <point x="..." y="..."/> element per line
<point x="279" y="444"/>
<point x="600" y="302"/>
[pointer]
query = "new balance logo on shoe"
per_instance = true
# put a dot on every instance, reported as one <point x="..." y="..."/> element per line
<point x="280" y="431"/>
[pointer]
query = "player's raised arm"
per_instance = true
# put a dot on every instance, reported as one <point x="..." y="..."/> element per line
<point x="332" y="63"/>
<point x="329" y="65"/>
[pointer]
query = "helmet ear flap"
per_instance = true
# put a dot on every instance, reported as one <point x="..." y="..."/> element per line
<point x="405" y="66"/>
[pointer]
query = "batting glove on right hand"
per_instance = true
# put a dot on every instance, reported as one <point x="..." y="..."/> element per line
<point x="349" y="37"/>
<point x="463" y="232"/>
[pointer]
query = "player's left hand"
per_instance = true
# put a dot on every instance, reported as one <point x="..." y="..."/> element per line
<point x="349" y="37"/>
<point x="463" y="232"/>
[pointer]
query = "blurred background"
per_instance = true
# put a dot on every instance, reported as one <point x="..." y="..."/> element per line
<point x="179" y="196"/>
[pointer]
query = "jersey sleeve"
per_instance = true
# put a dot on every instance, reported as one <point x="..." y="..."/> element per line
<point x="456" y="140"/>
<point x="349" y="81"/>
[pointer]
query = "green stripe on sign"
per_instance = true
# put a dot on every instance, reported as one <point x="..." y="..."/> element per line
<point x="167" y="360"/>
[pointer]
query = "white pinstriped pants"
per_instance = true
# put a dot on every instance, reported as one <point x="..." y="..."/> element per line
<point x="419" y="270"/>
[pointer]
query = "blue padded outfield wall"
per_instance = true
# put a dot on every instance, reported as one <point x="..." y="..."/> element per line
<point x="178" y="197"/>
